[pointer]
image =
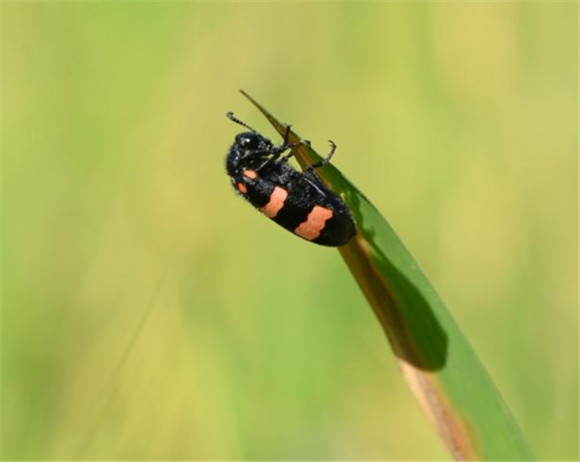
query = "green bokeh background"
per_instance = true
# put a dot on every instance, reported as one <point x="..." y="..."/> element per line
<point x="149" y="313"/>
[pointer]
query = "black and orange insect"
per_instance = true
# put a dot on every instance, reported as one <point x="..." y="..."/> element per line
<point x="297" y="201"/>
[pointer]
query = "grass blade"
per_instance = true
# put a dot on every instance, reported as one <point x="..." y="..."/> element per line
<point x="443" y="372"/>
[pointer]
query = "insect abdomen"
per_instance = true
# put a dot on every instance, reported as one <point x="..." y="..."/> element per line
<point x="295" y="203"/>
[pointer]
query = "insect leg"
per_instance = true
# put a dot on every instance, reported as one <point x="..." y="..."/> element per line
<point x="290" y="154"/>
<point x="287" y="134"/>
<point x="283" y="147"/>
<point x="324" y="161"/>
<point x="275" y="154"/>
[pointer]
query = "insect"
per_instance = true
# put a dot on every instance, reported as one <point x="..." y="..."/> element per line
<point x="299" y="202"/>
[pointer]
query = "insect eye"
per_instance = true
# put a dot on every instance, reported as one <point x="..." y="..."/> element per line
<point x="248" y="141"/>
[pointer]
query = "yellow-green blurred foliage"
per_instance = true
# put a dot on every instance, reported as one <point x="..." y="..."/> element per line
<point x="150" y="313"/>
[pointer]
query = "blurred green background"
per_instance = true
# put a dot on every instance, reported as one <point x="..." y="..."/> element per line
<point x="149" y="313"/>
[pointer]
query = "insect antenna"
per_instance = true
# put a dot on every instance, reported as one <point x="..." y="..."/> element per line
<point x="238" y="121"/>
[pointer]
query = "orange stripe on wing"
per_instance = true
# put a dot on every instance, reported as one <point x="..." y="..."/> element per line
<point x="314" y="224"/>
<point x="251" y="174"/>
<point x="276" y="203"/>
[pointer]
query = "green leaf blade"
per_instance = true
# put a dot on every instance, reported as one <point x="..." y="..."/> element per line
<point x="441" y="368"/>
